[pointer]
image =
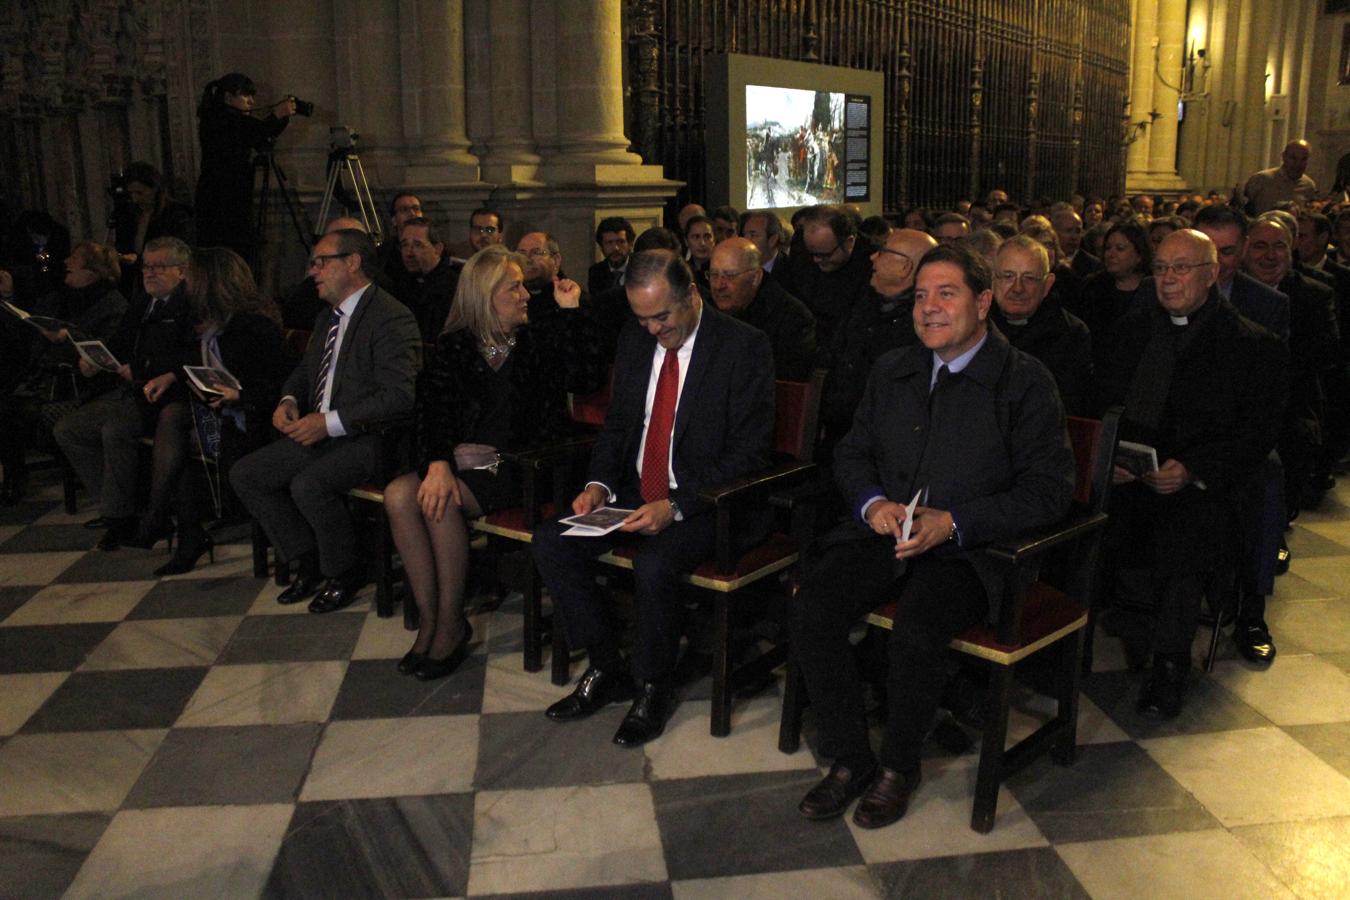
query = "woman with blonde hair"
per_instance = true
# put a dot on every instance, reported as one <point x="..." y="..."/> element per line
<point x="494" y="383"/>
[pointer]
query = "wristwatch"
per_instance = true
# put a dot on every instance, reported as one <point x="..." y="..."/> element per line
<point x="674" y="507"/>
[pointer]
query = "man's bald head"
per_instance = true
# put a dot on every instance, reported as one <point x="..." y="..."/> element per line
<point x="344" y="222"/>
<point x="896" y="261"/>
<point x="1295" y="159"/>
<point x="687" y="212"/>
<point x="1185" y="267"/>
<point x="734" y="274"/>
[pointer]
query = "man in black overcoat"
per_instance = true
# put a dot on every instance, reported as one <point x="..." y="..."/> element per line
<point x="975" y="428"/>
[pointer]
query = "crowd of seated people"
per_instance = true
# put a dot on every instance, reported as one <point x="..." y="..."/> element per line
<point x="1220" y="335"/>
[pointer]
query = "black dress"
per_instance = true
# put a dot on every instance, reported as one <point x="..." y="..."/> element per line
<point x="461" y="399"/>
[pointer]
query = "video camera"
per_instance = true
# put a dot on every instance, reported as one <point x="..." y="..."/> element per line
<point x="302" y="107"/>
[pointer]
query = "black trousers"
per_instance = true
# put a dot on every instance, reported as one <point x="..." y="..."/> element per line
<point x="843" y="581"/>
<point x="563" y="564"/>
<point x="298" y="495"/>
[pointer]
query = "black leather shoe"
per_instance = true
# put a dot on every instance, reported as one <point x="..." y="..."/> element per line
<point x="149" y="532"/>
<point x="597" y="689"/>
<point x="119" y="532"/>
<point x="834" y="793"/>
<point x="431" y="669"/>
<point x="646" y="718"/>
<point x="1165" y="691"/>
<point x="337" y="593"/>
<point x="1254" y="642"/>
<point x="410" y="661"/>
<point x="302" y="588"/>
<point x="98" y="522"/>
<point x="885" y="799"/>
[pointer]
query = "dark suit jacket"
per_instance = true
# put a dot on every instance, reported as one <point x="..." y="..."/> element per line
<point x="724" y="421"/>
<point x="1059" y="339"/>
<point x="1265" y="306"/>
<point x="255" y="352"/>
<point x="790" y="326"/>
<point x="993" y="450"/>
<point x="600" y="278"/>
<point x="376" y="372"/>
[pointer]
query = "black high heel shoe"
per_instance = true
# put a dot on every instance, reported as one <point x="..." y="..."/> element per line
<point x="431" y="669"/>
<point x="151" y="531"/>
<point x="411" y="662"/>
<point x="191" y="546"/>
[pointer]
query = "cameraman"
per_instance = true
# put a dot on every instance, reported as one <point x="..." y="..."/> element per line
<point x="229" y="135"/>
<point x="143" y="211"/>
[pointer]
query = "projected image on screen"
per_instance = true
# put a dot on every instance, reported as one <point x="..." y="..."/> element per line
<point x="795" y="145"/>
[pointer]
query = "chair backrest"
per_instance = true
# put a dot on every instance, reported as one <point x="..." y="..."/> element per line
<point x="1094" y="451"/>
<point x="590" y="409"/>
<point x="797" y="415"/>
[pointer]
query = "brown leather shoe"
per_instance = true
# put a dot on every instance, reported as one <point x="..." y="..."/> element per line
<point x="834" y="793"/>
<point x="885" y="799"/>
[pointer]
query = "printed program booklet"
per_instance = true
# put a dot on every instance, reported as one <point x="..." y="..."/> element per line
<point x="596" y="522"/>
<point x="1137" y="459"/>
<point x="210" y="380"/>
<point x="98" y="355"/>
<point x="41" y="323"/>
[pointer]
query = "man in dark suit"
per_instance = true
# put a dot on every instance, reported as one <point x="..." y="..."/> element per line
<point x="832" y="270"/>
<point x="360" y="369"/>
<point x="1314" y="234"/>
<point x="101" y="439"/>
<point x="429" y="287"/>
<point x="693" y="408"/>
<point x="615" y="236"/>
<point x="1227" y="230"/>
<point x="975" y="428"/>
<point x="741" y="289"/>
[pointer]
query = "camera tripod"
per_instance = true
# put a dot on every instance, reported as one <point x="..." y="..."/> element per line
<point x="271" y="169"/>
<point x="346" y="159"/>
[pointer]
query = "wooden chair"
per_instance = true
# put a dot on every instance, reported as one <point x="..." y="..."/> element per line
<point x="728" y="572"/>
<point x="1035" y="616"/>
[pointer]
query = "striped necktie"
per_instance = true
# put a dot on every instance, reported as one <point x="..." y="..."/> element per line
<point x="326" y="366"/>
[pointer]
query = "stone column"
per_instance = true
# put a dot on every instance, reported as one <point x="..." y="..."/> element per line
<point x="433" y="93"/>
<point x="1159" y="41"/>
<point x="509" y="153"/>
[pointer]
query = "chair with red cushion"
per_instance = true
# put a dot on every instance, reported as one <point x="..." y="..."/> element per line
<point x="1036" y="615"/>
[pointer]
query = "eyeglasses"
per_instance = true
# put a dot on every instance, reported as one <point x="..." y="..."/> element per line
<point x="1182" y="268"/>
<point x="826" y="255"/>
<point x="538" y="253"/>
<point x="318" y="262"/>
<point x="1029" y="279"/>
<point x="905" y="256"/>
<point x="484" y="230"/>
<point x="158" y="267"/>
<point x="726" y="276"/>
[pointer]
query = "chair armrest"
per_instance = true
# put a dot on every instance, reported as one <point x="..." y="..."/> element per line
<point x="780" y="476"/>
<point x="1036" y="543"/>
<point x="392" y="425"/>
<point x="551" y="454"/>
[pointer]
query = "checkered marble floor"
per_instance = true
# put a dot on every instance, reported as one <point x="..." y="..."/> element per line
<point x="188" y="737"/>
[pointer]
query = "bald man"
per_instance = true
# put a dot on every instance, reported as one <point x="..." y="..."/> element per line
<point x="1206" y="388"/>
<point x="742" y="289"/>
<point x="1287" y="181"/>
<point x="882" y="319"/>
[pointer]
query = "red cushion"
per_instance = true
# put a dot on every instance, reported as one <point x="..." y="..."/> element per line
<point x="513" y="519"/>
<point x="1046" y="611"/>
<point x="790" y="420"/>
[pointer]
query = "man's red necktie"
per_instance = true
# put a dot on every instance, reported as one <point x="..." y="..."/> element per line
<point x="656" y="449"/>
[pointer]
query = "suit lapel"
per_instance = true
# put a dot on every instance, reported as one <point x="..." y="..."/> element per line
<point x="705" y="347"/>
<point x="348" y="341"/>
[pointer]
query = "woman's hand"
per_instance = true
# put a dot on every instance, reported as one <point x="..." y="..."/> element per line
<point x="566" y="293"/>
<point x="228" y="397"/>
<point x="437" y="491"/>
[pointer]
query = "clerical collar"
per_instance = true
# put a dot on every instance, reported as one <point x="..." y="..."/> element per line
<point x="1018" y="322"/>
<point x="1180" y="320"/>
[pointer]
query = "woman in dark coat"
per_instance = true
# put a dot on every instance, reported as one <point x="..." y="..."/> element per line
<point x="229" y="134"/>
<point x="147" y="212"/>
<point x="1127" y="257"/>
<point x="90" y="302"/>
<point x="240" y="333"/>
<point x="494" y="384"/>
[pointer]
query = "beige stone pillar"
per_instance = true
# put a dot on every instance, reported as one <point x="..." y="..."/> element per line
<point x="1159" y="39"/>
<point x="509" y="153"/>
<point x="433" y="92"/>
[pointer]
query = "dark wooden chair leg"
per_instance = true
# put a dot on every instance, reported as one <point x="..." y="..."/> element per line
<point x="794" y="701"/>
<point x="991" y="749"/>
<point x="70" y="487"/>
<point x="720" y="726"/>
<point x="562" y="652"/>
<point x="1065" y="748"/>
<point x="259" y="541"/>
<point x="534" y="651"/>
<point x="384" y="565"/>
